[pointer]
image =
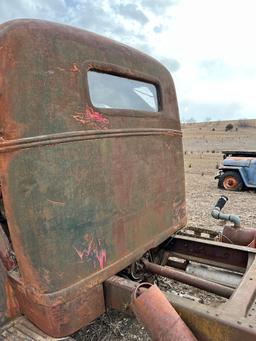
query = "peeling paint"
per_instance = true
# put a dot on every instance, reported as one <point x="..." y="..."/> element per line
<point x="60" y="203"/>
<point x="89" y="116"/>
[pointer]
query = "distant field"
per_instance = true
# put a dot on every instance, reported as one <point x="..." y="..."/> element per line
<point x="212" y="137"/>
<point x="203" y="143"/>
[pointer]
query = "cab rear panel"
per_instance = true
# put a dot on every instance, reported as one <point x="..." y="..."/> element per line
<point x="87" y="190"/>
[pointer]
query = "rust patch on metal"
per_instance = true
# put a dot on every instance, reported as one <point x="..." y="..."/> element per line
<point x="158" y="316"/>
<point x="28" y="274"/>
<point x="7" y="63"/>
<point x="12" y="304"/>
<point x="60" y="319"/>
<point x="6" y="255"/>
<point x="92" y="118"/>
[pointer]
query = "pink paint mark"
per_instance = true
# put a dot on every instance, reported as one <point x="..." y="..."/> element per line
<point x="93" y="251"/>
<point x="102" y="257"/>
<point x="91" y="116"/>
<point x="74" y="68"/>
<point x="81" y="254"/>
<point x="95" y="116"/>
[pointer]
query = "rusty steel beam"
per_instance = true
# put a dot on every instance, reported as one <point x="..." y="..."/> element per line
<point x="208" y="323"/>
<point x="212" y="323"/>
<point x="116" y="290"/>
<point x="227" y="256"/>
<point x="183" y="277"/>
<point x="244" y="298"/>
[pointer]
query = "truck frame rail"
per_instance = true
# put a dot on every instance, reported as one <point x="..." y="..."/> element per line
<point x="232" y="320"/>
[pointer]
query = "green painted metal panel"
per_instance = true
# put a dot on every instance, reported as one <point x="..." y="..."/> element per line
<point x="86" y="190"/>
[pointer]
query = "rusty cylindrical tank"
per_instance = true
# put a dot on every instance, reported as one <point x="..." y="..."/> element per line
<point x="158" y="316"/>
<point x="240" y="236"/>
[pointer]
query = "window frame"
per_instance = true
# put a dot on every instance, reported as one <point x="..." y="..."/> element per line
<point x="118" y="71"/>
<point x="123" y="81"/>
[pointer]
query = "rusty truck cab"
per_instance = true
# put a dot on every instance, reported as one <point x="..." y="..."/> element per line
<point x="91" y="167"/>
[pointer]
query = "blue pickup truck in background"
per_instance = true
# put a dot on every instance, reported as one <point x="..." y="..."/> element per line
<point x="238" y="170"/>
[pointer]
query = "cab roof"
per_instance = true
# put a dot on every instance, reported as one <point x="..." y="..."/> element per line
<point x="44" y="79"/>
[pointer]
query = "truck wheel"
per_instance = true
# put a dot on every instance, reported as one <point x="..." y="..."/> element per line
<point x="231" y="181"/>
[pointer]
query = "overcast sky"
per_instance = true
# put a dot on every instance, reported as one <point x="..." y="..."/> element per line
<point x="208" y="45"/>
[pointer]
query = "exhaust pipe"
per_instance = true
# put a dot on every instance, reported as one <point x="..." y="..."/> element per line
<point x="159" y="318"/>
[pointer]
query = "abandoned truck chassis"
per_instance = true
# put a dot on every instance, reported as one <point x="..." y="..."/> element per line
<point x="93" y="189"/>
<point x="233" y="320"/>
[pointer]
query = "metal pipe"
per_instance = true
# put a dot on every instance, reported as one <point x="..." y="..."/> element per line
<point x="240" y="236"/>
<point x="217" y="214"/>
<point x="183" y="277"/>
<point x="222" y="277"/>
<point x="158" y="316"/>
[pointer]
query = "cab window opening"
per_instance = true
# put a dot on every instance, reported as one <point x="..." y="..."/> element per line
<point x="116" y="92"/>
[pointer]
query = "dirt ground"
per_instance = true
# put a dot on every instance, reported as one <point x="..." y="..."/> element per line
<point x="202" y="155"/>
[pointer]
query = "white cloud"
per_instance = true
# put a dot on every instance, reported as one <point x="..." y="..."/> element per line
<point x="209" y="45"/>
<point x="220" y="31"/>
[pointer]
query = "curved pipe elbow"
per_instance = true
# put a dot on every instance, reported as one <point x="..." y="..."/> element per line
<point x="235" y="219"/>
<point x="217" y="214"/>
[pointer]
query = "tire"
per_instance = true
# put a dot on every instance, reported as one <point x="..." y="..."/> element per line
<point x="231" y="181"/>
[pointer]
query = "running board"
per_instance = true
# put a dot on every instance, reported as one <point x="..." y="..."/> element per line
<point x="20" y="329"/>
